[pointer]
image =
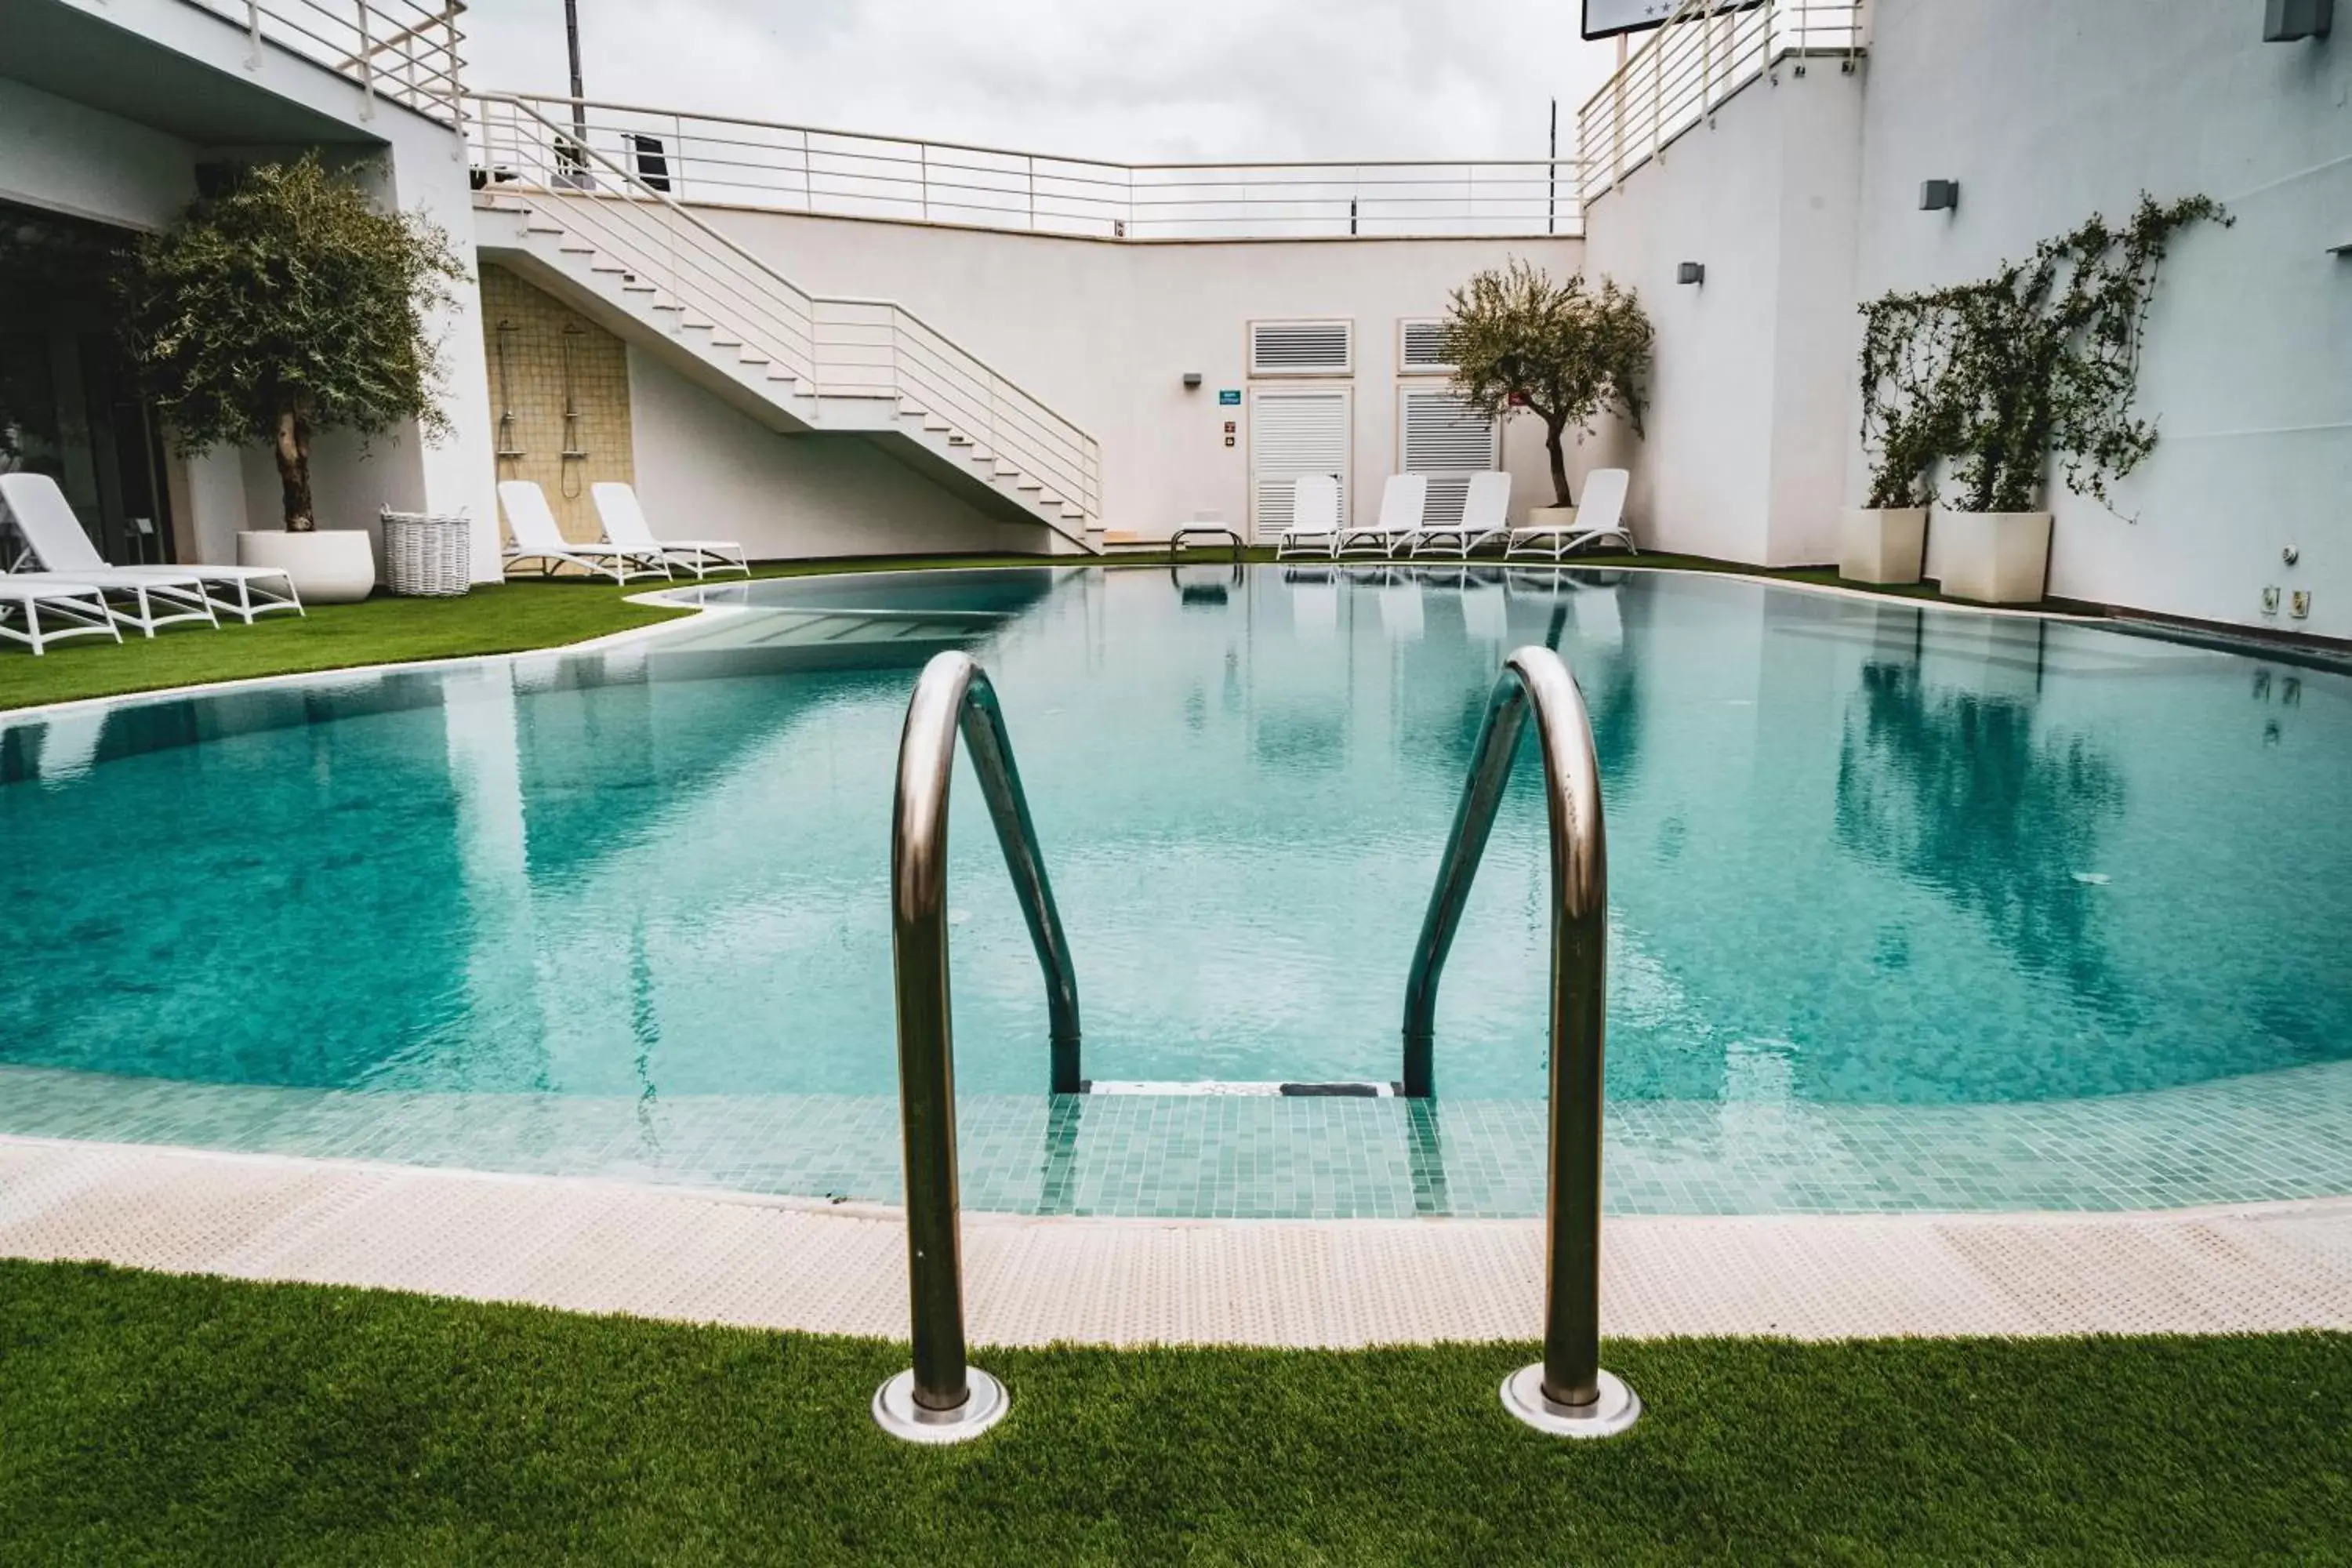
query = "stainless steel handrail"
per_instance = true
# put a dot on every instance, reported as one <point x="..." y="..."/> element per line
<point x="1566" y="1392"/>
<point x="941" y="1399"/>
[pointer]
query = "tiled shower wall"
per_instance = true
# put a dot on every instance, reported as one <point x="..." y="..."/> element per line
<point x="546" y="360"/>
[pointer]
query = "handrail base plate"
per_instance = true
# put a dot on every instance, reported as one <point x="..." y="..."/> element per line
<point x="896" y="1412"/>
<point x="1617" y="1408"/>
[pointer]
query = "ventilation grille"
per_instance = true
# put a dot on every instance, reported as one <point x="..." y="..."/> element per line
<point x="1302" y="348"/>
<point x="1447" y="441"/>
<point x="1425" y="347"/>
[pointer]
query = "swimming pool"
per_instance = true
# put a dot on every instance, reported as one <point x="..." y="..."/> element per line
<point x="1909" y="907"/>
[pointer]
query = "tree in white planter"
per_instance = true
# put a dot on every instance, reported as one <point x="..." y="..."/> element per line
<point x="1984" y="385"/>
<point x="1561" y="350"/>
<point x="290" y="306"/>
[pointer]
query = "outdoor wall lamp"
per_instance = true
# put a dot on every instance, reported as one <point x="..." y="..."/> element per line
<point x="2290" y="21"/>
<point x="1690" y="272"/>
<point x="1939" y="195"/>
<point x="1192" y="380"/>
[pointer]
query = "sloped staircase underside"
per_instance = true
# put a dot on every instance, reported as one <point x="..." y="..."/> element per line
<point x="525" y="232"/>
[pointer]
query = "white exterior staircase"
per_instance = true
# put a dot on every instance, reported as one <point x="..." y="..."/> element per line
<point x="592" y="232"/>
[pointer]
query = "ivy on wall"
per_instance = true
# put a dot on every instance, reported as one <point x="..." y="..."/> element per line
<point x="1983" y="383"/>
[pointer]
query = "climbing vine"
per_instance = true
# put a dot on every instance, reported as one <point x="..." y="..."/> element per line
<point x="1985" y="383"/>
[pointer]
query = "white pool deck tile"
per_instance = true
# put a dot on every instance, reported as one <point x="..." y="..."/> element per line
<point x="595" y="1246"/>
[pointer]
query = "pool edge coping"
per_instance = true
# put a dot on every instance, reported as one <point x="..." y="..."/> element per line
<point x="593" y="1244"/>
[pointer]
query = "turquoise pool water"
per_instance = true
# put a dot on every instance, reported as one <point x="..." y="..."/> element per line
<point x="1865" y="857"/>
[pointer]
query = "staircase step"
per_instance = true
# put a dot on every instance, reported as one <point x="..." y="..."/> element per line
<point x="640" y="288"/>
<point x="610" y="266"/>
<point x="542" y="229"/>
<point x="576" y="249"/>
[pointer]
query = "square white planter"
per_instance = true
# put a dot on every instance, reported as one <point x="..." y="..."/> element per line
<point x="1883" y="545"/>
<point x="1993" y="557"/>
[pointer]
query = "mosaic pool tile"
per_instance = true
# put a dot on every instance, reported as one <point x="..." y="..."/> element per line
<point x="2280" y="1135"/>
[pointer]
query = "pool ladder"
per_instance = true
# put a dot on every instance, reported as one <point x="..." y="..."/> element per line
<point x="941" y="1398"/>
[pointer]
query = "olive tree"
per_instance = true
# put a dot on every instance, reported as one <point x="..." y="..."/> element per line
<point x="1560" y="349"/>
<point x="287" y="306"/>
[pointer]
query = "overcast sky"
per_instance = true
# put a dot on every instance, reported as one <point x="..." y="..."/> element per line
<point x="1121" y="79"/>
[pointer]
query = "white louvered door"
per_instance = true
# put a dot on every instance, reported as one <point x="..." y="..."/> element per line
<point x="1294" y="431"/>
<point x="1441" y="439"/>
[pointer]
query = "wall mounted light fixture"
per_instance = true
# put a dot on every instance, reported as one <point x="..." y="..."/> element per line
<point x="2291" y="21"/>
<point x="1939" y="195"/>
<point x="1690" y="272"/>
<point x="1192" y="380"/>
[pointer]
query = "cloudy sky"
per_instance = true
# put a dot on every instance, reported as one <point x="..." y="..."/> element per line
<point x="1116" y="79"/>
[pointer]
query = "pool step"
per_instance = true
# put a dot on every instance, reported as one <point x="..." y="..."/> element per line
<point x="1344" y="1090"/>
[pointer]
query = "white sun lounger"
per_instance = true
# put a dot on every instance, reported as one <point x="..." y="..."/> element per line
<point x="1402" y="501"/>
<point x="76" y="609"/>
<point x="536" y="538"/>
<point x="55" y="537"/>
<point x="1486" y="514"/>
<point x="626" y="529"/>
<point x="1314" y="517"/>
<point x="1602" y="516"/>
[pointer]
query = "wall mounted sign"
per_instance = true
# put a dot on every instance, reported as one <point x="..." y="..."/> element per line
<point x="1228" y="396"/>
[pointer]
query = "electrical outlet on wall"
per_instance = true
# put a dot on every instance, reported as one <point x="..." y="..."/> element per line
<point x="2270" y="601"/>
<point x="2298" y="604"/>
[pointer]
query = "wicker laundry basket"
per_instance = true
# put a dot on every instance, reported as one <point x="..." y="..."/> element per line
<point x="427" y="557"/>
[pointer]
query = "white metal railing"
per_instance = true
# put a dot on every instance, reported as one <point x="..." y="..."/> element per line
<point x="718" y="159"/>
<point x="404" y="51"/>
<point x="1707" y="50"/>
<point x="833" y="346"/>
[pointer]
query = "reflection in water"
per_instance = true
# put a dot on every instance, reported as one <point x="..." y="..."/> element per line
<point x="1955" y="788"/>
<point x="1864" y="855"/>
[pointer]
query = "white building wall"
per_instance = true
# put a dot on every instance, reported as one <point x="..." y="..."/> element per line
<point x="2045" y="114"/>
<point x="1803" y="201"/>
<point x="67" y="157"/>
<point x="705" y="470"/>
<point x="1745" y="451"/>
<point x="1104" y="333"/>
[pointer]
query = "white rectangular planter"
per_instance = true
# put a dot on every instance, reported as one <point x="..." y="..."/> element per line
<point x="1993" y="557"/>
<point x="1883" y="545"/>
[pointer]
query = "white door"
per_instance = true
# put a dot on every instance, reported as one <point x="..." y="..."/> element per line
<point x="1294" y="432"/>
<point x="1441" y="439"/>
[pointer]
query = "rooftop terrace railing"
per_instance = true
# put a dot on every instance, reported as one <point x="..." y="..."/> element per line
<point x="1707" y="50"/>
<point x="404" y="51"/>
<point x="718" y="160"/>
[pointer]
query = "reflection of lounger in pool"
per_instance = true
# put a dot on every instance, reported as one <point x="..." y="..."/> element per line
<point x="1315" y="607"/>
<point x="1400" y="608"/>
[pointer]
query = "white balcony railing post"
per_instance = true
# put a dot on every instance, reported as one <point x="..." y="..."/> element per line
<point x="366" y="63"/>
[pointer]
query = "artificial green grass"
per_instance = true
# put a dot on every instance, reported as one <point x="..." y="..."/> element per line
<point x="150" y="1418"/>
<point x="512" y="617"/>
